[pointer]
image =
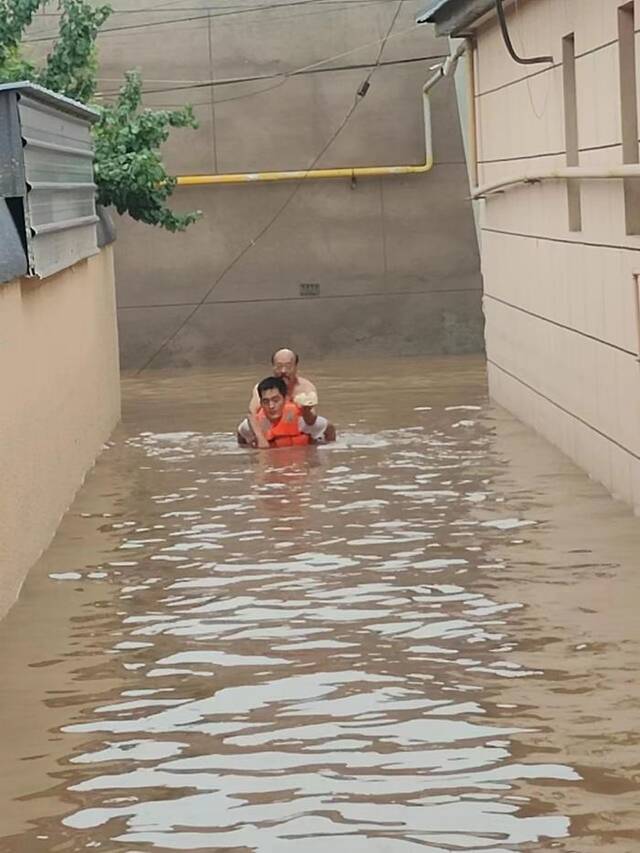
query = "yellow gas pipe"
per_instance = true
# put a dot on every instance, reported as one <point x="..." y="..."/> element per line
<point x="445" y="70"/>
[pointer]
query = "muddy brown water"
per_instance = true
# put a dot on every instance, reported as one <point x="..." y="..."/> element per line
<point x="424" y="638"/>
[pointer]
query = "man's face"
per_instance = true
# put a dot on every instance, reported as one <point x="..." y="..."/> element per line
<point x="284" y="366"/>
<point x="272" y="402"/>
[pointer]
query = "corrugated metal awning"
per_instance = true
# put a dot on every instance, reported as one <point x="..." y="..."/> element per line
<point x="50" y="148"/>
<point x="58" y="102"/>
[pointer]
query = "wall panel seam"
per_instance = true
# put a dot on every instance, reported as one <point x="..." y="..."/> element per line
<point x="613" y="246"/>
<point x="555" y="65"/>
<point x="562" y="409"/>
<point x="561" y="325"/>
<point x="390" y="293"/>
<point x="541" y="154"/>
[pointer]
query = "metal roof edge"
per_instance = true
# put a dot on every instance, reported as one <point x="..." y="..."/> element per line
<point x="425" y="17"/>
<point x="452" y="17"/>
<point x="61" y="102"/>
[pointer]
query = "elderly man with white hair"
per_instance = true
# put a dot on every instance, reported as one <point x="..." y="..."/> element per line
<point x="299" y="390"/>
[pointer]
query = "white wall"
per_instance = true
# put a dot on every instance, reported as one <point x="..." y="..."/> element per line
<point x="562" y="329"/>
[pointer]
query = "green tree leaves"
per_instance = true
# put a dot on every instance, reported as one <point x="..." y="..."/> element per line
<point x="129" y="171"/>
<point x="71" y="65"/>
<point x="15" y="17"/>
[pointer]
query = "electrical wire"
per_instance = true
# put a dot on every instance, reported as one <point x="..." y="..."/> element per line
<point x="538" y="114"/>
<point x="389" y="63"/>
<point x="225" y="14"/>
<point x="280" y="78"/>
<point x="208" y="15"/>
<point x="167" y="7"/>
<point x="246" y="95"/>
<point x="359" y="96"/>
<point x="280" y="19"/>
<point x="257" y="77"/>
<point x="504" y="29"/>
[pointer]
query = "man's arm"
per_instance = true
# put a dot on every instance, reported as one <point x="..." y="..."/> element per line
<point x="249" y="433"/>
<point x="307" y="399"/>
<point x="320" y="429"/>
<point x="254" y="403"/>
<point x="245" y="434"/>
<point x="309" y="415"/>
<point x="261" y="440"/>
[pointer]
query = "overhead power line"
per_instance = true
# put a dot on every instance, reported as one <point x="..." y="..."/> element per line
<point x="171" y="6"/>
<point x="257" y="78"/>
<point x="282" y="77"/>
<point x="227" y="13"/>
<point x="358" y="98"/>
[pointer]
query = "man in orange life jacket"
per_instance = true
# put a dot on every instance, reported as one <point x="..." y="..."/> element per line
<point x="280" y="422"/>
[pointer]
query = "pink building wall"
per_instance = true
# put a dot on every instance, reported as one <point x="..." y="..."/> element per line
<point x="61" y="400"/>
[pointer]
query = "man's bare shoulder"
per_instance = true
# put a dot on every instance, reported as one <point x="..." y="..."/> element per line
<point x="304" y="386"/>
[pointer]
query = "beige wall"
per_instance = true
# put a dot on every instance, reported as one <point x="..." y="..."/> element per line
<point x="562" y="330"/>
<point x="396" y="258"/>
<point x="61" y="399"/>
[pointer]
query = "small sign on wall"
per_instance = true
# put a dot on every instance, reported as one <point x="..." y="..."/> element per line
<point x="308" y="288"/>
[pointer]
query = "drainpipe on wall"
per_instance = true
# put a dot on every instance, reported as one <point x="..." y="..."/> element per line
<point x="465" y="96"/>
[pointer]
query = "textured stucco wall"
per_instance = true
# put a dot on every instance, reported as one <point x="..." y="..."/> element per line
<point x="561" y="305"/>
<point x="396" y="258"/>
<point x="60" y="401"/>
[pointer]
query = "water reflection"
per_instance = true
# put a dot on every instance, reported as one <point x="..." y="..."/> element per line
<point x="362" y="645"/>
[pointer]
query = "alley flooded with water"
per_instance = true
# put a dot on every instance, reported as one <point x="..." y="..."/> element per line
<point x="423" y="638"/>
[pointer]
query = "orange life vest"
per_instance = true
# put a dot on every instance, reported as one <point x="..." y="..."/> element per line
<point x="286" y="432"/>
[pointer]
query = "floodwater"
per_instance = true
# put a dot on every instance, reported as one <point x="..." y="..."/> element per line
<point x="424" y="638"/>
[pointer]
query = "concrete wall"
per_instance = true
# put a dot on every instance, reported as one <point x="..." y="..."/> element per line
<point x="396" y="258"/>
<point x="60" y="401"/>
<point x="561" y="305"/>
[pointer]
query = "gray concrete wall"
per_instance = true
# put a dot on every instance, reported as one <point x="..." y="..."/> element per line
<point x="395" y="257"/>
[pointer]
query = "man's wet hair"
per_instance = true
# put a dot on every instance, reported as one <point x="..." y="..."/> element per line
<point x="272" y="382"/>
<point x="275" y="353"/>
